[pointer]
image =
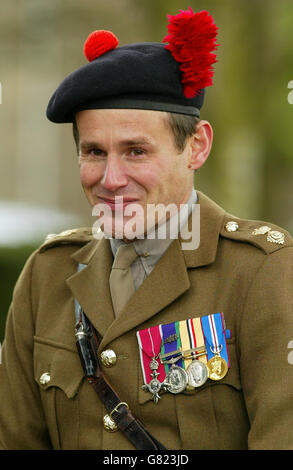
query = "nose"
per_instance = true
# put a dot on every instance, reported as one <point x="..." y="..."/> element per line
<point x="114" y="175"/>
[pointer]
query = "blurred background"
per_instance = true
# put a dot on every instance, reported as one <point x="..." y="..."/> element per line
<point x="250" y="169"/>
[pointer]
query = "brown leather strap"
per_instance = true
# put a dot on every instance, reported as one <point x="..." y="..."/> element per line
<point x="123" y="417"/>
<point x="87" y="346"/>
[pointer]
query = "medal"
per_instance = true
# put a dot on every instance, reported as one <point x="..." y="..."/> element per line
<point x="154" y="386"/>
<point x="217" y="367"/>
<point x="218" y="360"/>
<point x="176" y="380"/>
<point x="150" y="344"/>
<point x="193" y="346"/>
<point x="182" y="355"/>
<point x="197" y="373"/>
<point x="215" y="338"/>
<point x="171" y="345"/>
<point x="176" y="377"/>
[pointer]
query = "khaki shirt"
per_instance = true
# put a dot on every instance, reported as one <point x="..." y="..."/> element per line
<point x="243" y="275"/>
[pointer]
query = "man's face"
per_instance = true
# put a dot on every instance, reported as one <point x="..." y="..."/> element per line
<point x="131" y="153"/>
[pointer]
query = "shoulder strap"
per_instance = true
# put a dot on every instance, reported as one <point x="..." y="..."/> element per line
<point x="120" y="415"/>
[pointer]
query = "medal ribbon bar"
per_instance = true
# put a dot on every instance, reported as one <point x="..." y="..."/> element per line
<point x="171" y="330"/>
<point x="186" y="340"/>
<point x="150" y="341"/>
<point x="196" y="328"/>
<point x="215" y="337"/>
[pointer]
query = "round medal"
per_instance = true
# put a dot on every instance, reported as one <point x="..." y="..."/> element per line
<point x="176" y="380"/>
<point x="217" y="367"/>
<point x="197" y="373"/>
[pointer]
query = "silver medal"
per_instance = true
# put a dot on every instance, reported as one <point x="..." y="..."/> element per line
<point x="154" y="386"/>
<point x="197" y="373"/>
<point x="176" y="380"/>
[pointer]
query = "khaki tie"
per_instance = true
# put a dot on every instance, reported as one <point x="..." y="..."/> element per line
<point x="121" y="280"/>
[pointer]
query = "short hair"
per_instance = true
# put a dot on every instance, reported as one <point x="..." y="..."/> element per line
<point x="182" y="126"/>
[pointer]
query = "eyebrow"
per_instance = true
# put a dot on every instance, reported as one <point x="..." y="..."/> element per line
<point x="85" y="145"/>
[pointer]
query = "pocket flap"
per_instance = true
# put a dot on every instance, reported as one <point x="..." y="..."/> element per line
<point x="56" y="365"/>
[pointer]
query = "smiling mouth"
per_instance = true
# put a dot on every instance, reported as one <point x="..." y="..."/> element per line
<point x="118" y="199"/>
<point x="118" y="202"/>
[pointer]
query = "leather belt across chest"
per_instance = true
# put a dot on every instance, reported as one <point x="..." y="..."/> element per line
<point x="120" y="415"/>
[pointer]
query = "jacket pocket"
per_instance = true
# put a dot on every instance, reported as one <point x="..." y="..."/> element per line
<point x="214" y="416"/>
<point x="58" y="372"/>
<point x="61" y="363"/>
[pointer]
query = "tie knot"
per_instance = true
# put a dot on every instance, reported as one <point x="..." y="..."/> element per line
<point x="125" y="256"/>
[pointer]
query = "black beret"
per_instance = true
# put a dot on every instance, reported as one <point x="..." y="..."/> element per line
<point x="134" y="76"/>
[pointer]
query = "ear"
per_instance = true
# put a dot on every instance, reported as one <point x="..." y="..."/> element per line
<point x="200" y="145"/>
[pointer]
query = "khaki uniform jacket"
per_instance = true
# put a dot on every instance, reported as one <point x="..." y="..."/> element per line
<point x="243" y="275"/>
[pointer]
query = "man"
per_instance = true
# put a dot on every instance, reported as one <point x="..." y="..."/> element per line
<point x="220" y="311"/>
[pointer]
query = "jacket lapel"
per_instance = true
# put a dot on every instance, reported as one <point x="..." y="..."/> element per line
<point x="167" y="281"/>
<point x="91" y="285"/>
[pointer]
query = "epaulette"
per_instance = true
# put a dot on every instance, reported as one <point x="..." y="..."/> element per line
<point x="75" y="236"/>
<point x="266" y="236"/>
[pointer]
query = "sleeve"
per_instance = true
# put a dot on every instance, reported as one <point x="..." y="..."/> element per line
<point x="266" y="372"/>
<point x="22" y="423"/>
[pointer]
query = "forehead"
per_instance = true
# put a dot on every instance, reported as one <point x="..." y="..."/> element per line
<point x="122" y="121"/>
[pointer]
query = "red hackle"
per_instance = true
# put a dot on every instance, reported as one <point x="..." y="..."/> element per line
<point x="192" y="38"/>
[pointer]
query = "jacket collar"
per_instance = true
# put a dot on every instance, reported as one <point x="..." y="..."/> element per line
<point x="211" y="222"/>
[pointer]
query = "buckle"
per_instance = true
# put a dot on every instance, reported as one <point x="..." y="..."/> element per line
<point x="109" y="423"/>
<point x="117" y="407"/>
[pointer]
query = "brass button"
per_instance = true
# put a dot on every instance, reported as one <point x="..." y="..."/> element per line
<point x="45" y="378"/>
<point x="109" y="424"/>
<point x="108" y="421"/>
<point x="108" y="358"/>
<point x="231" y="226"/>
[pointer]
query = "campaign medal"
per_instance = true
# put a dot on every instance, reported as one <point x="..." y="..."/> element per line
<point x="197" y="373"/>
<point x="176" y="379"/>
<point x="154" y="374"/>
<point x="171" y="354"/>
<point x="194" y="352"/>
<point x="215" y="338"/>
<point x="171" y="345"/>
